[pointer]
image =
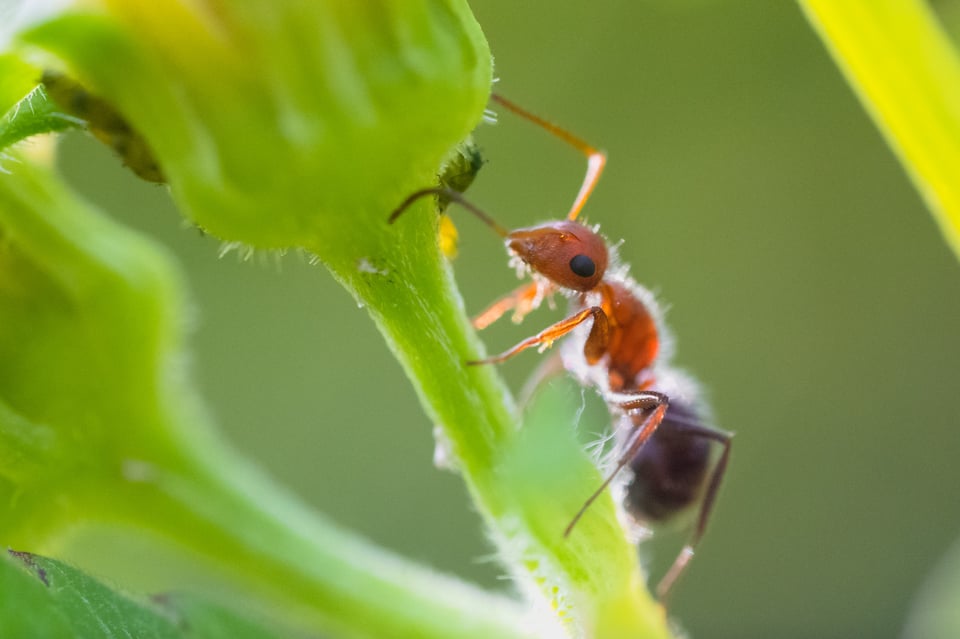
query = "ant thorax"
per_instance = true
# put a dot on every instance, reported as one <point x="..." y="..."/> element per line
<point x="631" y="309"/>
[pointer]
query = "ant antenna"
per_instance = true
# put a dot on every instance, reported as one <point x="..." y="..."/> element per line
<point x="454" y="196"/>
<point x="596" y="159"/>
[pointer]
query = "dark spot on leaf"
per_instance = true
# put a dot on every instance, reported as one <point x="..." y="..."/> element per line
<point x="161" y="598"/>
<point x="28" y="560"/>
<point x="167" y="606"/>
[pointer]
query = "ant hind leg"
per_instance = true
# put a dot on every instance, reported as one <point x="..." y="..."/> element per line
<point x="651" y="407"/>
<point x="706" y="506"/>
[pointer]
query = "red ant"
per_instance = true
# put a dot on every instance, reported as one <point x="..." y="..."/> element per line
<point x="661" y="434"/>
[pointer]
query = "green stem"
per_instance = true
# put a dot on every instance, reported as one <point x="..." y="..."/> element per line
<point x="326" y="576"/>
<point x="907" y="75"/>
<point x="592" y="579"/>
<point x="151" y="458"/>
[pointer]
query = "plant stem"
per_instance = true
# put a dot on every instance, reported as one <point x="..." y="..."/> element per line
<point x="152" y="459"/>
<point x="328" y="577"/>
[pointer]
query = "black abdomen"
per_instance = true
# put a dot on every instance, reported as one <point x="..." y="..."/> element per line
<point x="670" y="468"/>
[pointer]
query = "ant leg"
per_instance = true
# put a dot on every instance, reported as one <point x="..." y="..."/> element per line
<point x="524" y="299"/>
<point x="706" y="506"/>
<point x="596" y="159"/>
<point x="545" y="338"/>
<point x="653" y="407"/>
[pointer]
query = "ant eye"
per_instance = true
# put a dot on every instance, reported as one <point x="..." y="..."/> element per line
<point x="583" y="266"/>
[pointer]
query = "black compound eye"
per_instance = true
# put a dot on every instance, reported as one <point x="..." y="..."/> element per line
<point x="583" y="266"/>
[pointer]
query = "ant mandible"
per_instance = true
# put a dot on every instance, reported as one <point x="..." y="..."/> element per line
<point x="661" y="432"/>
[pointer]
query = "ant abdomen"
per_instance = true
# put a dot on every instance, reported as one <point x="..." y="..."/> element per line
<point x="670" y="469"/>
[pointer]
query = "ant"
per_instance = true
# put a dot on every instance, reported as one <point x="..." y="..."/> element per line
<point x="616" y="347"/>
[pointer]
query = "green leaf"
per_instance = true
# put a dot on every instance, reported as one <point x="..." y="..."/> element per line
<point x="200" y="618"/>
<point x="26" y="607"/>
<point x="25" y="104"/>
<point x="47" y="598"/>
<point x="906" y="73"/>
<point x="34" y="114"/>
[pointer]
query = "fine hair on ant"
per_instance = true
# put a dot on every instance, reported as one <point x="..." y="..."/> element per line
<point x="615" y="346"/>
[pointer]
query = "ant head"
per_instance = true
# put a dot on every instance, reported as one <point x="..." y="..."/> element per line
<point x="565" y="252"/>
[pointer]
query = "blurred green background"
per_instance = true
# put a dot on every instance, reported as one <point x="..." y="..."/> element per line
<point x="807" y="285"/>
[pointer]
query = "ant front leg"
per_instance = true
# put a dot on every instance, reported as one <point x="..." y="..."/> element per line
<point x="596" y="341"/>
<point x="521" y="300"/>
<point x="650" y="408"/>
<point x="706" y="504"/>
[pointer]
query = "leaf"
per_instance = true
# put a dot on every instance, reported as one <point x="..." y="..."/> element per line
<point x="34" y="114"/>
<point x="202" y="619"/>
<point x="47" y="598"/>
<point x="906" y="72"/>
<point x="26" y="606"/>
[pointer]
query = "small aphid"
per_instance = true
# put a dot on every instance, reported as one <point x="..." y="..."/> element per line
<point x="456" y="174"/>
<point x="615" y="347"/>
<point x="459" y="171"/>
